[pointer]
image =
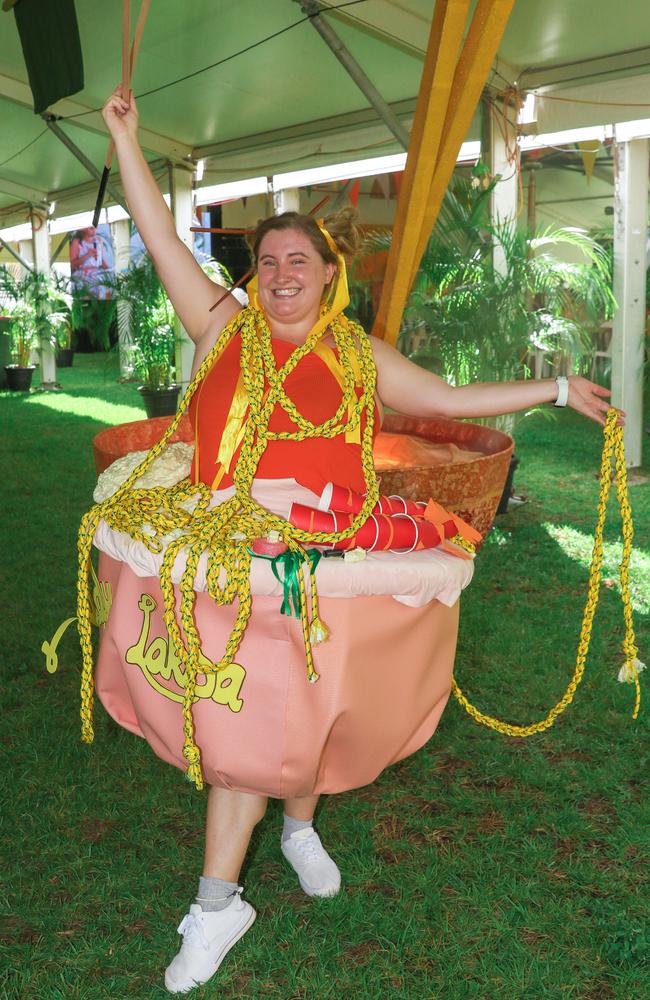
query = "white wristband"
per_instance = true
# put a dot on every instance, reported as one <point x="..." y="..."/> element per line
<point x="562" y="390"/>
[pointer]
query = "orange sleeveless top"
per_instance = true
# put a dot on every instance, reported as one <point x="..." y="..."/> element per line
<point x="316" y="392"/>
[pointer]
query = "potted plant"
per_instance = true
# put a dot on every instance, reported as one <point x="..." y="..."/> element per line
<point x="63" y="332"/>
<point x="64" y="351"/>
<point x="483" y="320"/>
<point x="36" y="311"/>
<point x="23" y="339"/>
<point x="93" y="320"/>
<point x="152" y="333"/>
<point x="5" y="347"/>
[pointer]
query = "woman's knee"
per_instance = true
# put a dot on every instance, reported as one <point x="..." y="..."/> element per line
<point x="249" y="809"/>
<point x="258" y="808"/>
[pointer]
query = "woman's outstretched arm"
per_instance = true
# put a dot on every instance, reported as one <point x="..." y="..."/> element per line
<point x="191" y="292"/>
<point x="412" y="390"/>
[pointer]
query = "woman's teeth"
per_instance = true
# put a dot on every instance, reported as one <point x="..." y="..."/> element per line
<point x="286" y="292"/>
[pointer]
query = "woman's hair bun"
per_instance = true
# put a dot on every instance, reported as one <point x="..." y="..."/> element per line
<point x="342" y="227"/>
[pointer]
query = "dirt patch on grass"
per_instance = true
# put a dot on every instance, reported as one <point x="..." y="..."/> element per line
<point x="635" y="789"/>
<point x="447" y="765"/>
<point x="389" y="856"/>
<point x="490" y="822"/>
<point x="94" y="830"/>
<point x="499" y="783"/>
<point x="360" y="954"/>
<point x="395" y="828"/>
<point x="532" y="937"/>
<point x="558" y="874"/>
<point x="139" y="927"/>
<point x="182" y="828"/>
<point x="14" y="929"/>
<point x="599" y="808"/>
<point x="555" y="756"/>
<point x="446" y="839"/>
<point x="297" y="899"/>
<point x="390" y="827"/>
<point x="239" y="983"/>
<point x="597" y="990"/>
<point x="566" y="848"/>
<point x="373" y="888"/>
<point x="422" y="806"/>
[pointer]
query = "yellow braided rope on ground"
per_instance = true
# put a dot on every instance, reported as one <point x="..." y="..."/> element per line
<point x="148" y="515"/>
<point x="612" y="447"/>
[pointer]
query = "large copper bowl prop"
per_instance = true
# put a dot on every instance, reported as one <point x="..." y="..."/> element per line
<point x="139" y="435"/>
<point x="471" y="489"/>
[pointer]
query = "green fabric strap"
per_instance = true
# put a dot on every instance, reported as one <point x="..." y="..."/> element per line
<point x="49" y="36"/>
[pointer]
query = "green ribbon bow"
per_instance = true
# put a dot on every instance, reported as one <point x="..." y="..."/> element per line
<point x="291" y="563"/>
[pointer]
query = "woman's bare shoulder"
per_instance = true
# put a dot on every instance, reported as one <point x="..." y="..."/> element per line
<point x="215" y="327"/>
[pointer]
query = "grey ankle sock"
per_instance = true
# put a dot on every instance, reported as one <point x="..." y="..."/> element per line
<point x="293" y="825"/>
<point x="215" y="893"/>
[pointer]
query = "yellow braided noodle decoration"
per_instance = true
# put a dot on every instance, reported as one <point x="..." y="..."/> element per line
<point x="147" y="515"/>
<point x="612" y="447"/>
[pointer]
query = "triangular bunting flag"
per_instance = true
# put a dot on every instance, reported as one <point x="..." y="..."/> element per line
<point x="384" y="185"/>
<point x="353" y="193"/>
<point x="589" y="151"/>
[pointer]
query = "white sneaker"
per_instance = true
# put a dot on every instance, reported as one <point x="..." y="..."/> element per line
<point x="317" y="873"/>
<point x="208" y="936"/>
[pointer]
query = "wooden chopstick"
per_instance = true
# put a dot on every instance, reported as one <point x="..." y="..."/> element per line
<point x="128" y="65"/>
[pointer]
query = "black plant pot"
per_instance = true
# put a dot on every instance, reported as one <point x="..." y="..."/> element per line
<point x="160" y="402"/>
<point x="64" y="357"/>
<point x="19" y="379"/>
<point x="508" y="488"/>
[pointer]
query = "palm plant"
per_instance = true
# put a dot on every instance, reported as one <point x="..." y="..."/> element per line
<point x="486" y="293"/>
<point x="35" y="303"/>
<point x="151" y="323"/>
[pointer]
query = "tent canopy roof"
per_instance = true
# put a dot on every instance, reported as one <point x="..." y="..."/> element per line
<point x="276" y="99"/>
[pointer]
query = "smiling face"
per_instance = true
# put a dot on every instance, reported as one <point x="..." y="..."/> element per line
<point x="291" y="278"/>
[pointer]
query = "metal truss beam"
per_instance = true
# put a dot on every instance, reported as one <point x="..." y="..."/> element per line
<point x="352" y="67"/>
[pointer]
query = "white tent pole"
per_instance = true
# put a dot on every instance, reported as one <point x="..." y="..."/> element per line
<point x="122" y="241"/>
<point x="630" y="228"/>
<point x="41" y="251"/>
<point x="180" y="192"/>
<point x="25" y="257"/>
<point x="286" y="200"/>
<point x="495" y="143"/>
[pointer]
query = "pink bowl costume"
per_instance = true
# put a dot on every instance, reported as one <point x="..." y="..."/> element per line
<point x="385" y="671"/>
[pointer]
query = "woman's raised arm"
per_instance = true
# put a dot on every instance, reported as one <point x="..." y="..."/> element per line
<point x="191" y="292"/>
<point x="411" y="390"/>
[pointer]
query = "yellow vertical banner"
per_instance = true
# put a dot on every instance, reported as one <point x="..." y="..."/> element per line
<point x="453" y="78"/>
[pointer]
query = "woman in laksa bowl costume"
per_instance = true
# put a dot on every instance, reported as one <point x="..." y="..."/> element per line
<point x="196" y="655"/>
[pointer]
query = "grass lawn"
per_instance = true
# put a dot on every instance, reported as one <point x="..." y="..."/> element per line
<point x="480" y="867"/>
